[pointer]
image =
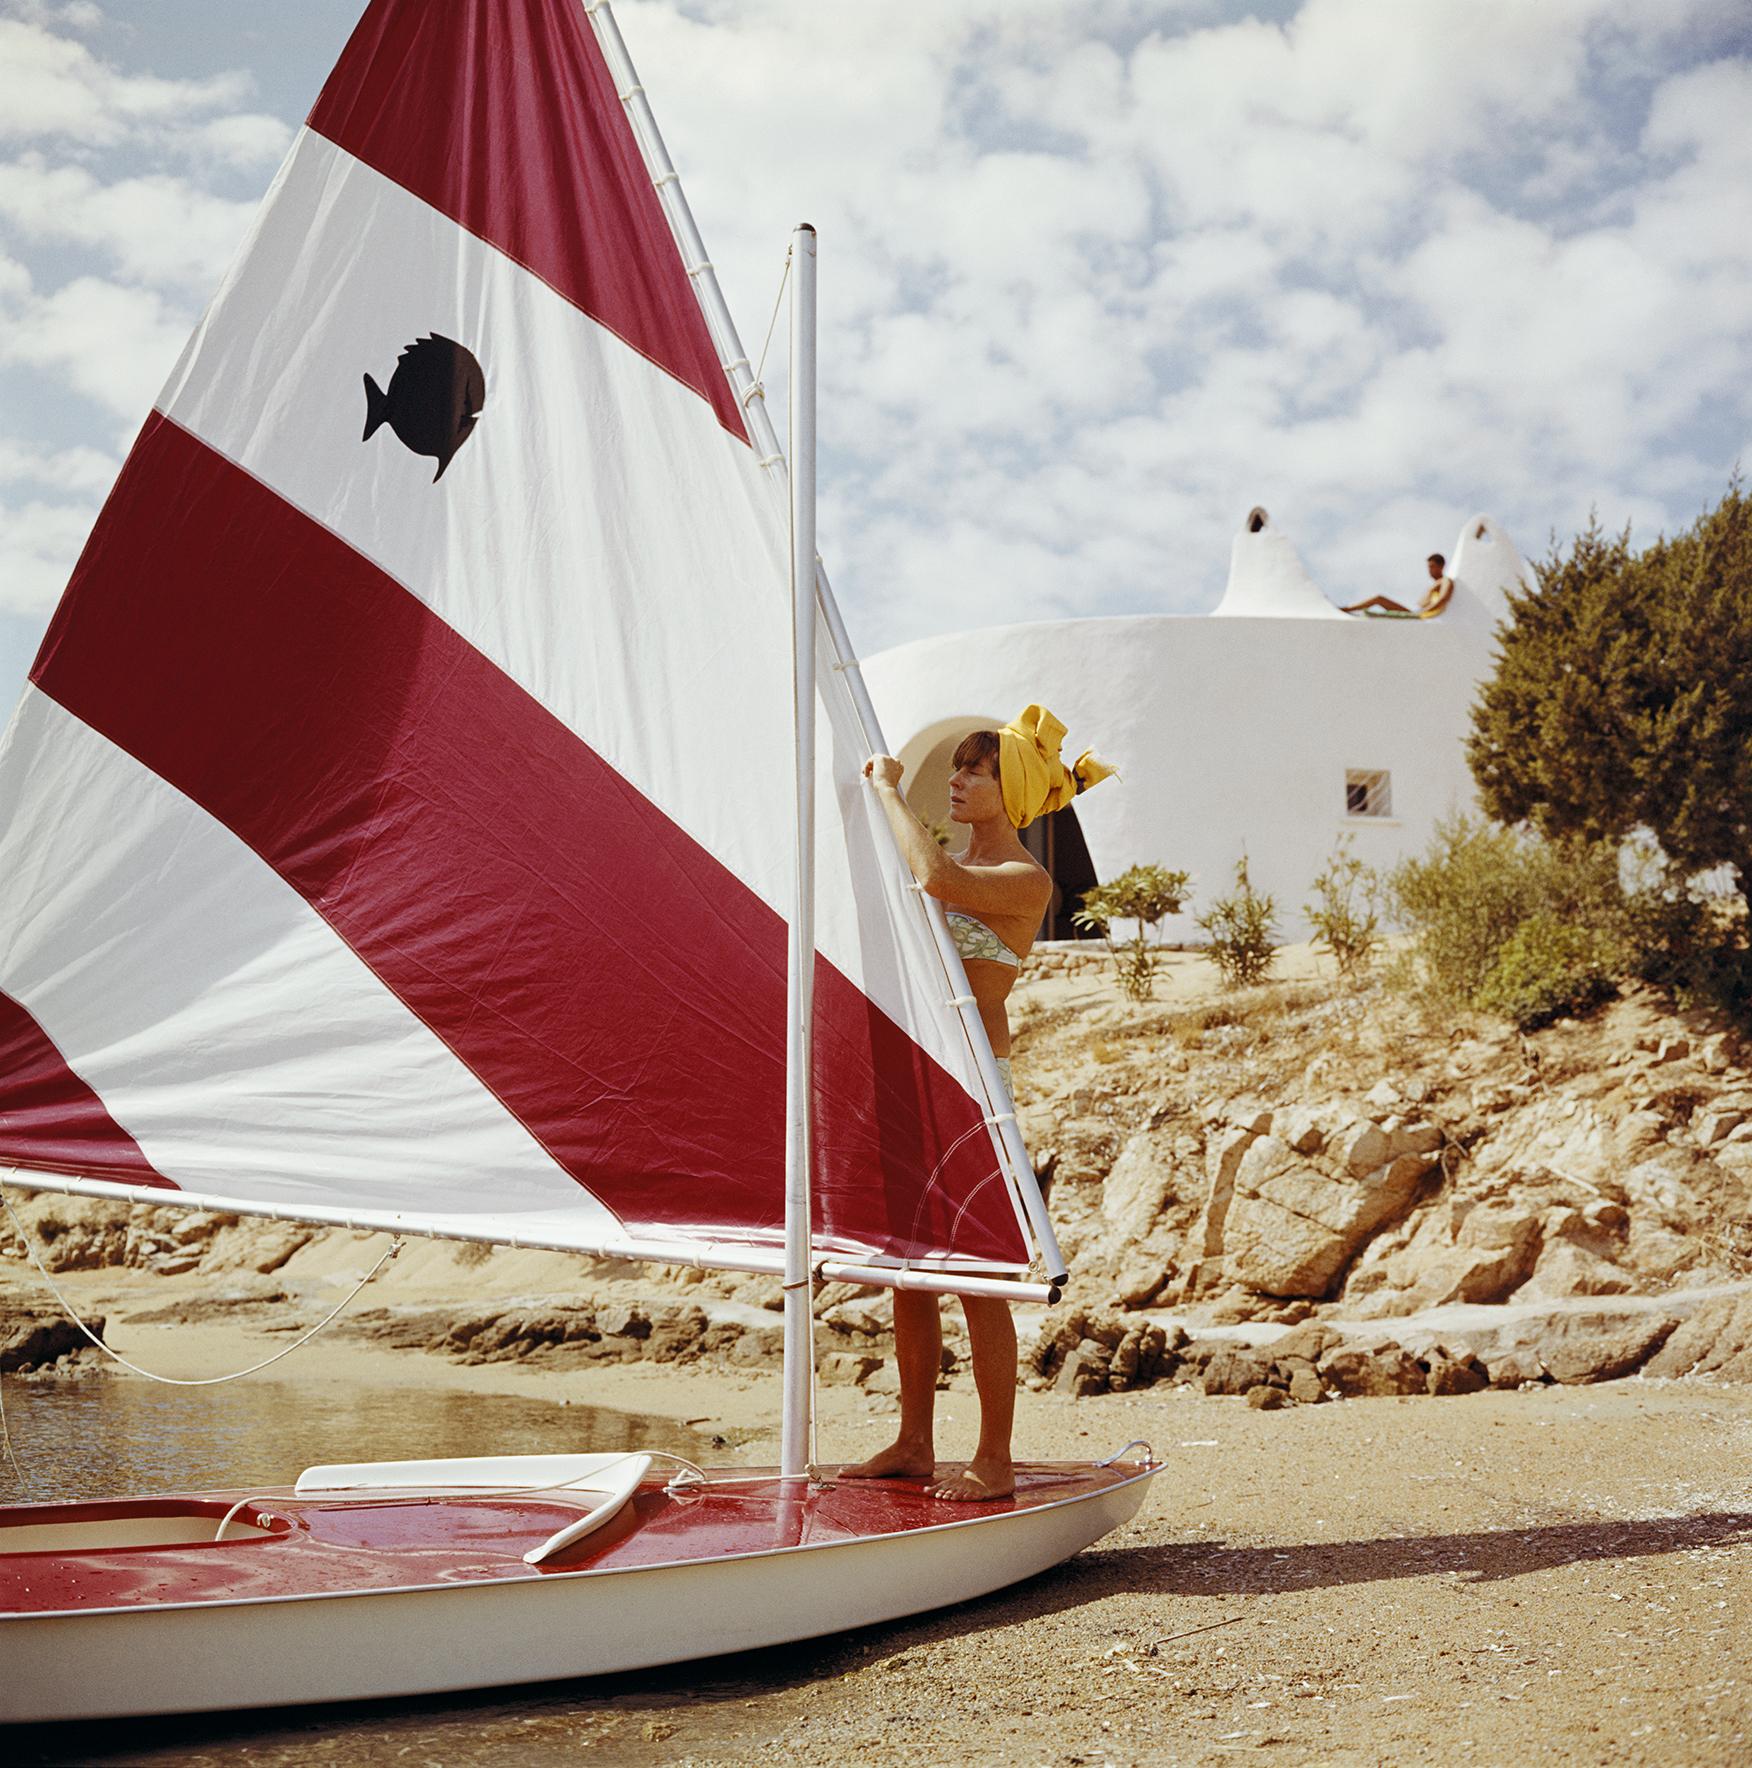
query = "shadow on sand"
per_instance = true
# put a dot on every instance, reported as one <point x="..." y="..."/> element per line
<point x="1212" y="1569"/>
<point x="1187" y="1569"/>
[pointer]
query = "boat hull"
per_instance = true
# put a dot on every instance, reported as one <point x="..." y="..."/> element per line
<point x="902" y="1554"/>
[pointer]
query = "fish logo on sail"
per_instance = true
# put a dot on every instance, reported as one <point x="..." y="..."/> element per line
<point x="435" y="396"/>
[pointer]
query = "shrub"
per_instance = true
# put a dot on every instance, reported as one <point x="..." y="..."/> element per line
<point x="1548" y="967"/>
<point x="1345" y="913"/>
<point x="1689" y="946"/>
<point x="1507" y="922"/>
<point x="1240" y="929"/>
<point x="1466" y="896"/>
<point x="1144" y="895"/>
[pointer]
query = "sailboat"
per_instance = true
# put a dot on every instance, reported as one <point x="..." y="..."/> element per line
<point x="426" y="830"/>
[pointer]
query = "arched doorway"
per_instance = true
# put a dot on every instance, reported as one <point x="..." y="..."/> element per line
<point x="926" y="757"/>
<point x="1056" y="840"/>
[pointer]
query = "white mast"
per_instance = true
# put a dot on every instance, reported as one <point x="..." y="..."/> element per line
<point x="800" y="959"/>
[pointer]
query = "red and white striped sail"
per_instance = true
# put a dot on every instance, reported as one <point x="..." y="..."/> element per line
<point x="415" y="848"/>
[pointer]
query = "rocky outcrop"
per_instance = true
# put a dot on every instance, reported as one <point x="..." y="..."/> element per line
<point x="612" y="1332"/>
<point x="78" y="1234"/>
<point x="1083" y="1354"/>
<point x="1233" y="1369"/>
<point x="1342" y="1155"/>
<point x="1605" y="1356"/>
<point x="1373" y="1370"/>
<point x="1449" y="1372"/>
<point x="1716" y="1342"/>
<point x="1293" y="1197"/>
<point x="1517" y="1369"/>
<point x="1091" y="1354"/>
<point x="35" y="1338"/>
<point x="1147" y="1199"/>
<point x="854" y="1337"/>
<point x="1296" y="1153"/>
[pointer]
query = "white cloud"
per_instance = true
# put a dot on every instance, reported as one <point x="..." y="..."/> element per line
<point x="247" y="139"/>
<point x="1439" y="80"/>
<point x="1097" y="279"/>
<point x="1350" y="314"/>
<point x="121" y="171"/>
<point x="15" y="281"/>
<point x="51" y="85"/>
<point x="77" y="15"/>
<point x="39" y="544"/>
<point x="156" y="229"/>
<point x="83" y="470"/>
<point x="115" y="345"/>
<point x="1698" y="216"/>
<point x="49" y="499"/>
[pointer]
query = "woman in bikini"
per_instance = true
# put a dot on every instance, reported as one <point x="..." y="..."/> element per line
<point x="996" y="895"/>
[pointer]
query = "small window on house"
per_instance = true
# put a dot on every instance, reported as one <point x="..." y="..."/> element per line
<point x="1368" y="792"/>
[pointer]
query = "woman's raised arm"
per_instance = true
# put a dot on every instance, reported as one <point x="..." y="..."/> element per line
<point x="1017" y="888"/>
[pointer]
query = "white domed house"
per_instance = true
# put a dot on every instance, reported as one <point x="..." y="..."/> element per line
<point x="1271" y="726"/>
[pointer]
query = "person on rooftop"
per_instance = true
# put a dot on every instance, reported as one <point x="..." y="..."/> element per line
<point x="1435" y="599"/>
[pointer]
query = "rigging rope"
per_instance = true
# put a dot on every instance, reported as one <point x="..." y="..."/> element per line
<point x="757" y="386"/>
<point x="72" y="1314"/>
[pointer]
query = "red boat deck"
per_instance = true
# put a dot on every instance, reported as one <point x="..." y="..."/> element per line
<point x="318" y="1546"/>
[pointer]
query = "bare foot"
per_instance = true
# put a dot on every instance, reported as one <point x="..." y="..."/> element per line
<point x="898" y="1461"/>
<point x="979" y="1482"/>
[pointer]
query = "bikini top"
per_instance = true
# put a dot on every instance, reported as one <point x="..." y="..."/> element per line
<point x="974" y="939"/>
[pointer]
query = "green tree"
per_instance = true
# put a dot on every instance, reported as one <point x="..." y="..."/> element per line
<point x="1144" y="895"/>
<point x="1622" y="698"/>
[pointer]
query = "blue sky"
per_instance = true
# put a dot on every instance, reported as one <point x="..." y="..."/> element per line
<point x="1096" y="278"/>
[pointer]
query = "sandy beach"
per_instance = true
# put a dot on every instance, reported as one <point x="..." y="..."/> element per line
<point x="1560" y="1575"/>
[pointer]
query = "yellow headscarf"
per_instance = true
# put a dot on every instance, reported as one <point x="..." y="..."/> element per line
<point x="1033" y="777"/>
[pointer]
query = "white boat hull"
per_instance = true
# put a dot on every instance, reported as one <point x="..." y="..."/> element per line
<point x="361" y="1645"/>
